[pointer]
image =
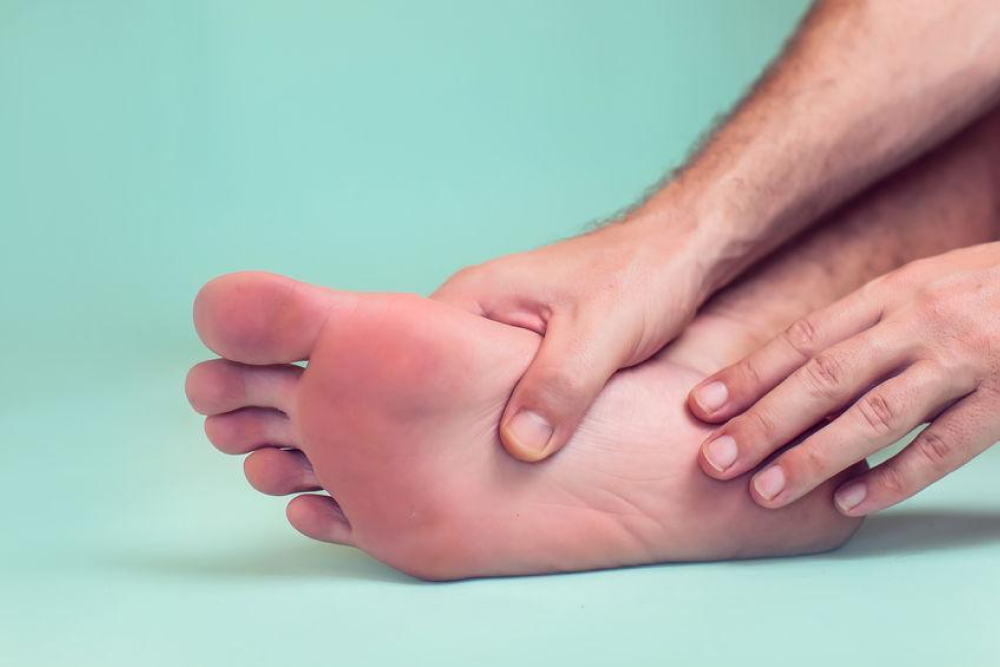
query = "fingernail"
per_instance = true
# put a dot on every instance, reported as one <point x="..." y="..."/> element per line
<point x="530" y="430"/>
<point x="721" y="453"/>
<point x="712" y="396"/>
<point x="850" y="496"/>
<point x="770" y="482"/>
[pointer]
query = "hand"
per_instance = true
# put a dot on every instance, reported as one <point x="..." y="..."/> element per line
<point x="921" y="344"/>
<point x="603" y="301"/>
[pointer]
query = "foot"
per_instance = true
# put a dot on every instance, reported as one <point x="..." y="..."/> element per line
<point x="396" y="416"/>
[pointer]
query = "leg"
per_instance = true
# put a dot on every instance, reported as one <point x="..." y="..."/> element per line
<point x="949" y="199"/>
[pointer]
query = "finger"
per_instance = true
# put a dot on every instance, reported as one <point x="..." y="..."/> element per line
<point x="736" y="387"/>
<point x="479" y="291"/>
<point x="958" y="435"/>
<point x="818" y="388"/>
<point x="876" y="420"/>
<point x="575" y="360"/>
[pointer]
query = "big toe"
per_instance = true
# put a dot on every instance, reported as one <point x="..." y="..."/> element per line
<point x="261" y="318"/>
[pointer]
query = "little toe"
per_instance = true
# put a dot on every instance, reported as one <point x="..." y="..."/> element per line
<point x="320" y="518"/>
<point x="248" y="429"/>
<point x="262" y="318"/>
<point x="219" y="385"/>
<point x="279" y="472"/>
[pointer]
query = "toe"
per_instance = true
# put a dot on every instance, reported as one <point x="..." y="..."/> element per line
<point x="279" y="472"/>
<point x="220" y="385"/>
<point x="249" y="429"/>
<point x="320" y="518"/>
<point x="262" y="318"/>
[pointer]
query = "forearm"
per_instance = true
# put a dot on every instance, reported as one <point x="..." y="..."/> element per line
<point x="948" y="199"/>
<point x="863" y="88"/>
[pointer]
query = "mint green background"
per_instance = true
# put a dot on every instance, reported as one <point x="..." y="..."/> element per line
<point x="147" y="146"/>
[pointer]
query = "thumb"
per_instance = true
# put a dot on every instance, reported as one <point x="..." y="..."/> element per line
<point x="571" y="367"/>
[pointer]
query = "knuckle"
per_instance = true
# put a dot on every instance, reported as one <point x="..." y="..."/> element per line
<point x="878" y="413"/>
<point x="890" y="478"/>
<point x="801" y="336"/>
<point x="465" y="274"/>
<point x="555" y="384"/>
<point x="471" y="275"/>
<point x="810" y="460"/>
<point x="875" y="290"/>
<point x="759" y="423"/>
<point x="935" y="449"/>
<point x="462" y="283"/>
<point x="937" y="305"/>
<point x="823" y="374"/>
<point x="746" y="374"/>
<point x="952" y="366"/>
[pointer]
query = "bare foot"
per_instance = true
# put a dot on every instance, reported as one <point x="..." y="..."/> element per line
<point x="396" y="416"/>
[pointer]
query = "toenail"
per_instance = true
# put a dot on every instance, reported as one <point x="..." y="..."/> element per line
<point x="770" y="482"/>
<point x="712" y="396"/>
<point x="530" y="430"/>
<point x="850" y="496"/>
<point x="721" y="453"/>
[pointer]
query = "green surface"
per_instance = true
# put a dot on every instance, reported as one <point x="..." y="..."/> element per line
<point x="147" y="146"/>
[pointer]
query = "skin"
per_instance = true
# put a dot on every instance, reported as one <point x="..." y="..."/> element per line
<point x="911" y="347"/>
<point x="396" y="413"/>
<point x="918" y="345"/>
<point x="612" y="298"/>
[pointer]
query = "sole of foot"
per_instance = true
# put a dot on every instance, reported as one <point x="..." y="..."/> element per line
<point x="395" y="415"/>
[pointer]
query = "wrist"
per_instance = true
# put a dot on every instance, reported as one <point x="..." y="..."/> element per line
<point x="697" y="235"/>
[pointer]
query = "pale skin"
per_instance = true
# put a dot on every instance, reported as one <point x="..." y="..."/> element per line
<point x="856" y="95"/>
<point x="396" y="413"/>
<point x="395" y="416"/>
<point x="916" y="345"/>
<point x="921" y="344"/>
